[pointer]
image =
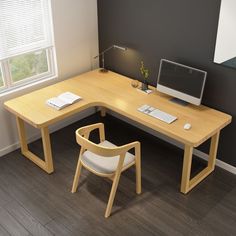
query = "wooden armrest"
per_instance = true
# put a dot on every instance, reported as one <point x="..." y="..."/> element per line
<point x="82" y="138"/>
<point x="86" y="130"/>
<point x="136" y="145"/>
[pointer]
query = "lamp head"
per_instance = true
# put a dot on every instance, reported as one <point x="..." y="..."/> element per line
<point x="103" y="70"/>
<point x="119" y="47"/>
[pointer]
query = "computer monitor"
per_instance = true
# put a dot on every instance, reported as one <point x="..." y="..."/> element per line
<point x="180" y="81"/>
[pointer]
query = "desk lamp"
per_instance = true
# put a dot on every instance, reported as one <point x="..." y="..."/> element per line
<point x="103" y="70"/>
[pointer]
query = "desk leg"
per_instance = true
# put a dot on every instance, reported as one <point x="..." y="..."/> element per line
<point x="22" y="135"/>
<point x="213" y="150"/>
<point x="186" y="183"/>
<point x="46" y="165"/>
<point x="47" y="150"/>
<point x="103" y="111"/>
<point x="186" y="171"/>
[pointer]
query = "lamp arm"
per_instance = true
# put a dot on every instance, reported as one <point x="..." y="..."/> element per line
<point x="102" y="53"/>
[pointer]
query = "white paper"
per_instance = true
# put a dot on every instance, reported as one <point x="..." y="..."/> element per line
<point x="63" y="100"/>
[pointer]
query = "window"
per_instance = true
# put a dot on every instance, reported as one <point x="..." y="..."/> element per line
<point x="26" y="42"/>
<point x="1" y="81"/>
<point x="28" y="65"/>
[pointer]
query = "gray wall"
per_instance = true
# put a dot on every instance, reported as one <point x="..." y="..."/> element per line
<point x="183" y="31"/>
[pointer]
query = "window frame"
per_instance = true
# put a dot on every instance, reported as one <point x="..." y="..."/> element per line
<point x="5" y="66"/>
<point x="1" y="78"/>
<point x="10" y="85"/>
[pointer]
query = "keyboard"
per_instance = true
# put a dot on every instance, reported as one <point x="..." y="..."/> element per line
<point x="158" y="114"/>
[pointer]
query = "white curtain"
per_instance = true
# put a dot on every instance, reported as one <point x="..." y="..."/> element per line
<point x="25" y="26"/>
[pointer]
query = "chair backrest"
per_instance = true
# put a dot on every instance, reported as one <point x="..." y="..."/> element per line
<point x="82" y="138"/>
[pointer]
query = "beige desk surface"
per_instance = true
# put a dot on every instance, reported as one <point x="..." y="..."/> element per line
<point x="114" y="92"/>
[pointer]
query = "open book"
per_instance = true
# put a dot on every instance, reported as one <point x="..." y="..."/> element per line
<point x="63" y="100"/>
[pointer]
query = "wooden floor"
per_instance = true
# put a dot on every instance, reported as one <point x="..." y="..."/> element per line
<point x="34" y="203"/>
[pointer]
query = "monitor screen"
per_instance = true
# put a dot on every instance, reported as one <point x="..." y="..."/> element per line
<point x="181" y="81"/>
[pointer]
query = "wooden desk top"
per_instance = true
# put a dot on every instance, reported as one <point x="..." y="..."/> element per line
<point x="115" y="92"/>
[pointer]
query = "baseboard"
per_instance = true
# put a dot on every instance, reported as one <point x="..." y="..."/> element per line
<point x="52" y="129"/>
<point x="219" y="163"/>
<point x="196" y="152"/>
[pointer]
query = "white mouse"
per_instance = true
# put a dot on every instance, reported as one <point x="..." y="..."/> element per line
<point x="187" y="126"/>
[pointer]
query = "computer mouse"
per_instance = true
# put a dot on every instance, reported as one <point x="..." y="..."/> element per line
<point x="187" y="126"/>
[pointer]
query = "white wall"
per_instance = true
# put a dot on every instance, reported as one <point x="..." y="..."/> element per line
<point x="76" y="35"/>
<point x="76" y="39"/>
<point x="226" y="36"/>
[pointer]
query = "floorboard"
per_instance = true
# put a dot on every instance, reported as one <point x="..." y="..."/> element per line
<point x="35" y="203"/>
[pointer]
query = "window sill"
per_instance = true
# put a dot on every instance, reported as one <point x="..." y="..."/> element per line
<point x="20" y="90"/>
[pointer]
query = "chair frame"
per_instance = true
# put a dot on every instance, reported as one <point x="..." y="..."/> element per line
<point x="82" y="138"/>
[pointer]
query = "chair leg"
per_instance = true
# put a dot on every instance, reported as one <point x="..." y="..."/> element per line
<point x="112" y="195"/>
<point x="138" y="175"/>
<point x="77" y="175"/>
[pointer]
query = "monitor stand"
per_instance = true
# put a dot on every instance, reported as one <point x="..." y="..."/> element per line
<point x="179" y="101"/>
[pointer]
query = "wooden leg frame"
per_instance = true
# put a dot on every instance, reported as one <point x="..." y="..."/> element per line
<point x="186" y="183"/>
<point x="47" y="164"/>
<point x="103" y="111"/>
<point x="114" y="178"/>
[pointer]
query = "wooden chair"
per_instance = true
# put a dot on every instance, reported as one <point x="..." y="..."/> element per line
<point x="106" y="160"/>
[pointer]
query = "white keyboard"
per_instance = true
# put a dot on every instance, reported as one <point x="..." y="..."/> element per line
<point x="161" y="115"/>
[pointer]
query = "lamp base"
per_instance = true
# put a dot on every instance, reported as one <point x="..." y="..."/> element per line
<point x="103" y="70"/>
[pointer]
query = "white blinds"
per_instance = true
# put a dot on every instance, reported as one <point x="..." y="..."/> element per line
<point x="25" y="25"/>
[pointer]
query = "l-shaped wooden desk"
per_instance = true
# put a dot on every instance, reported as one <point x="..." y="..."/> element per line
<point x="113" y="91"/>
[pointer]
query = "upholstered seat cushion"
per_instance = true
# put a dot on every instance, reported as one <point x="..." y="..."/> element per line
<point x="105" y="165"/>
